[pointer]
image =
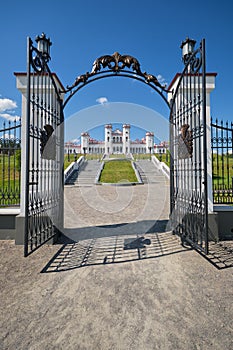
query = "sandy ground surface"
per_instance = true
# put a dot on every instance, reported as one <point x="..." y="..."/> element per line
<point x="94" y="294"/>
<point x="176" y="300"/>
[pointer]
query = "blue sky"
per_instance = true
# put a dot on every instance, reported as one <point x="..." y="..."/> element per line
<point x="149" y="30"/>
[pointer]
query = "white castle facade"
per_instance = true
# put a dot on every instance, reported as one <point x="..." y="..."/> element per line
<point x="116" y="142"/>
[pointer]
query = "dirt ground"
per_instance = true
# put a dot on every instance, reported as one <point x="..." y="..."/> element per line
<point x="174" y="299"/>
<point x="112" y="288"/>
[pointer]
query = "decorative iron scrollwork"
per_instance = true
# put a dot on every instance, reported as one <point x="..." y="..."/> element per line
<point x="194" y="62"/>
<point x="195" y="65"/>
<point x="38" y="62"/>
<point x="116" y="63"/>
<point x="48" y="143"/>
<point x="185" y="142"/>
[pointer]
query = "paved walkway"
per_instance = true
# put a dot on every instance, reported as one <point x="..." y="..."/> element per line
<point x="115" y="287"/>
<point x="104" y="210"/>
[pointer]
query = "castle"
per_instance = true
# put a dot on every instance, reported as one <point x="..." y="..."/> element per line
<point x="116" y="141"/>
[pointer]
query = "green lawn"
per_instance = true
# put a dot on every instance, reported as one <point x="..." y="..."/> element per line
<point x="70" y="159"/>
<point x="138" y="156"/>
<point x="163" y="157"/>
<point x="9" y="179"/>
<point x="116" y="171"/>
<point x="222" y="171"/>
<point x="119" y="156"/>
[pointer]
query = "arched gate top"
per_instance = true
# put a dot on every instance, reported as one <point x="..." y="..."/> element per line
<point x="115" y="65"/>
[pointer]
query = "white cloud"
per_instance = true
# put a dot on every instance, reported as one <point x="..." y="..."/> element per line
<point x="102" y="100"/>
<point x="9" y="117"/>
<point x="7" y="107"/>
<point x="6" y="104"/>
<point x="9" y="136"/>
<point x="161" y="79"/>
<point x="76" y="140"/>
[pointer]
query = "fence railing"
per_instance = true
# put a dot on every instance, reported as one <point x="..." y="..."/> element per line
<point x="10" y="163"/>
<point x="222" y="161"/>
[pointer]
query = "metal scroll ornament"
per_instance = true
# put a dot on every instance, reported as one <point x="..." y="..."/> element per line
<point x="116" y="63"/>
<point x="38" y="62"/>
<point x="194" y="63"/>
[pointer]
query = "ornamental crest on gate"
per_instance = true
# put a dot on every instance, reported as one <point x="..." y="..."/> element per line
<point x="48" y="143"/>
<point x="185" y="142"/>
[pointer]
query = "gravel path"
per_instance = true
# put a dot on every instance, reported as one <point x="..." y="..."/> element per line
<point x="173" y="301"/>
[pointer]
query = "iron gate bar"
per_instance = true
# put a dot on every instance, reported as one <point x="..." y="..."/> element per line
<point x="205" y="145"/>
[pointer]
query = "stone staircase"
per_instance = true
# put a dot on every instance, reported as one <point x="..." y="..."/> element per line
<point x="148" y="171"/>
<point x="86" y="175"/>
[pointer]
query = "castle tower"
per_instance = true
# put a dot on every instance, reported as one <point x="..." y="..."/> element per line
<point x="85" y="137"/>
<point x="149" y="142"/>
<point x="108" y="139"/>
<point x="126" y="138"/>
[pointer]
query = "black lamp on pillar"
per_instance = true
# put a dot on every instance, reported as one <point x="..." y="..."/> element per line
<point x="187" y="47"/>
<point x="43" y="46"/>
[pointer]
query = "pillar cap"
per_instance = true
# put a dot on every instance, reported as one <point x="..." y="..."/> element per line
<point x="176" y="77"/>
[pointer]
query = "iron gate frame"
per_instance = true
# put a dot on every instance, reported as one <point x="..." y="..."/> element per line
<point x="114" y="66"/>
<point x="188" y="153"/>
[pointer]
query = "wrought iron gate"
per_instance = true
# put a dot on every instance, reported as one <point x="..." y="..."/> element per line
<point x="44" y="151"/>
<point x="44" y="142"/>
<point x="189" y="204"/>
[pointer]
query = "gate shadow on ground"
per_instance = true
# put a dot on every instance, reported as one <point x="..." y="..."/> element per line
<point x="112" y="250"/>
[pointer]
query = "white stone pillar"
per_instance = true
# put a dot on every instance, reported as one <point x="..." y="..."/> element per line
<point x="21" y="84"/>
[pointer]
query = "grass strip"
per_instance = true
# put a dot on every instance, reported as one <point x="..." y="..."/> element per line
<point x="117" y="171"/>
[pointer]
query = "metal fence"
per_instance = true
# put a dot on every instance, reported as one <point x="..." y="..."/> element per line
<point x="222" y="161"/>
<point x="10" y="163"/>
